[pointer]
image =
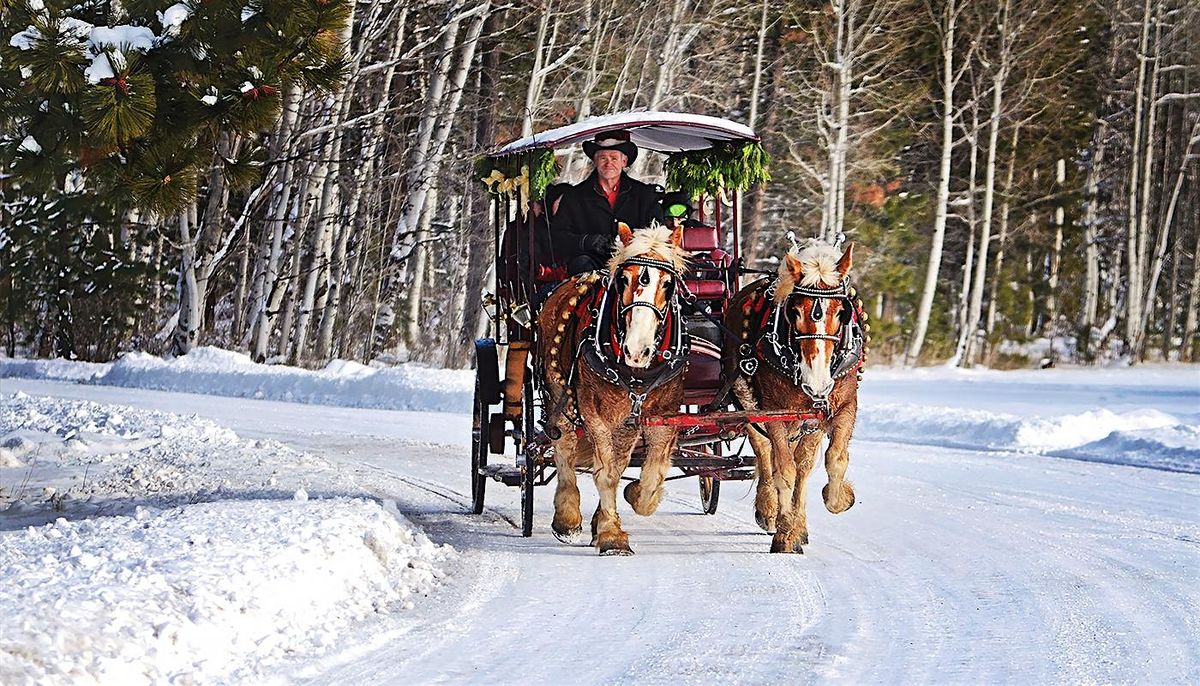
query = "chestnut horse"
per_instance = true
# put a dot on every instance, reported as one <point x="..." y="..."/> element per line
<point x="611" y="348"/>
<point x="797" y="338"/>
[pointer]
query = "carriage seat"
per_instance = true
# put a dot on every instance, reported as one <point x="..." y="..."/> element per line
<point x="711" y="264"/>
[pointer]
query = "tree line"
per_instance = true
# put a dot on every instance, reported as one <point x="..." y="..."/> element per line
<point x="296" y="180"/>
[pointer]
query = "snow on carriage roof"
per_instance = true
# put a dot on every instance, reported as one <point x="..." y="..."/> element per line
<point x="658" y="131"/>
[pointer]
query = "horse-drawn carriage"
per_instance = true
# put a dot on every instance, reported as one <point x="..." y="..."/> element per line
<point x="528" y="410"/>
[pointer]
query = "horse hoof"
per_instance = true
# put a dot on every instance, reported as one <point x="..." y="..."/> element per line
<point x="568" y="536"/>
<point x="803" y="540"/>
<point x="616" y="550"/>
<point x="778" y="546"/>
<point x="765" y="523"/>
<point x="631" y="491"/>
<point x="842" y="501"/>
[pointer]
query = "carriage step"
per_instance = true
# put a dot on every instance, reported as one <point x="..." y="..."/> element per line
<point x="509" y="474"/>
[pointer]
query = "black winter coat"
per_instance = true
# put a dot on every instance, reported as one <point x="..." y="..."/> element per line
<point x="585" y="210"/>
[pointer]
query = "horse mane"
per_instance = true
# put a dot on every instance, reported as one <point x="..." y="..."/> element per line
<point x="818" y="268"/>
<point x="652" y="240"/>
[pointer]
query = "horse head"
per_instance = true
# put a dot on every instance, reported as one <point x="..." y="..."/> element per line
<point x="813" y="291"/>
<point x="645" y="270"/>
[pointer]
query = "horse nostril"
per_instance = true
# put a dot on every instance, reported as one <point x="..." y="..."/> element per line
<point x="625" y="349"/>
<point x="646" y="352"/>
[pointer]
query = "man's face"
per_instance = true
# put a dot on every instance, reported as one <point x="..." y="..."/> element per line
<point x="610" y="164"/>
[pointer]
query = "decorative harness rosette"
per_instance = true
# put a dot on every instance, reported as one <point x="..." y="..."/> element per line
<point x="775" y="337"/>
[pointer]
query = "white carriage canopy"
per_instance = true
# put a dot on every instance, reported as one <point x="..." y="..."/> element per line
<point x="664" y="132"/>
<point x="704" y="154"/>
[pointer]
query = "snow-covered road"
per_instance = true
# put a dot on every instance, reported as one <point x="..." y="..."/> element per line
<point x="954" y="566"/>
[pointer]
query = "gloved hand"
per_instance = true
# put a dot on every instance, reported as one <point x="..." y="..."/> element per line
<point x="595" y="243"/>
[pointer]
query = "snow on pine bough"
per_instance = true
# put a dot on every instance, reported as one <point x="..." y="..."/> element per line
<point x="662" y="402"/>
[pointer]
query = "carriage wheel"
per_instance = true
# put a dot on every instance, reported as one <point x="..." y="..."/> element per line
<point x="487" y="392"/>
<point x="527" y="479"/>
<point x="710" y="493"/>
<point x="479" y="451"/>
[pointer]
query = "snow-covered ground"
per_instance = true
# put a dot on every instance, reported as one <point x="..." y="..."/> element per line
<point x="181" y="537"/>
<point x="138" y="546"/>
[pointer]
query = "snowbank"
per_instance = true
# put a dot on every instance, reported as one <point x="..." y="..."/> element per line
<point x="214" y="371"/>
<point x="57" y="369"/>
<point x="1147" y="415"/>
<point x="1143" y="438"/>
<point x="214" y="558"/>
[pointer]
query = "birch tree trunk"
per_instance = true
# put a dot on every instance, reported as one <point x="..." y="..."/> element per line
<point x="999" y="79"/>
<point x="1060" y="177"/>
<point x="1188" y="350"/>
<point x="270" y="252"/>
<point x="1133" y="300"/>
<point x="191" y="293"/>
<point x="1145" y="308"/>
<point x="942" y="209"/>
<point x="964" y="294"/>
<point x="1165" y="231"/>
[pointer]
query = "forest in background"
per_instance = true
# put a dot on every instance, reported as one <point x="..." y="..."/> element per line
<point x="296" y="180"/>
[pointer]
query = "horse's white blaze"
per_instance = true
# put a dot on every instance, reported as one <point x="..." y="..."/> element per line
<point x="815" y="371"/>
<point x="640" y="339"/>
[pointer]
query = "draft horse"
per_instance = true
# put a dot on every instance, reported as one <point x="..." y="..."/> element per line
<point x="798" y="345"/>
<point x="612" y="346"/>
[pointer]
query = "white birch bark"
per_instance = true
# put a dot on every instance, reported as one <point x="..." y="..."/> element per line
<point x="272" y="248"/>
<point x="1060" y="177"/>
<point x="999" y="80"/>
<point x="949" y="24"/>
<point x="1002" y="239"/>
<point x="187" y="330"/>
<point x="1164" y="232"/>
<point x="1133" y="300"/>
<point x="964" y="294"/>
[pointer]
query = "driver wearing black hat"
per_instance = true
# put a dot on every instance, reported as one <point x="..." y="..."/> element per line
<point x="586" y="223"/>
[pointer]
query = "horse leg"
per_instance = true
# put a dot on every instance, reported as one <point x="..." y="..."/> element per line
<point x="568" y="522"/>
<point x="609" y="538"/>
<point x="647" y="492"/>
<point x="784" y="480"/>
<point x="839" y="493"/>
<point x="766" y="505"/>
<point x="806" y="458"/>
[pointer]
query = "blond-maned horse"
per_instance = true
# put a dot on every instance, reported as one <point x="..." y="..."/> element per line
<point x="799" y="341"/>
<point x="611" y="349"/>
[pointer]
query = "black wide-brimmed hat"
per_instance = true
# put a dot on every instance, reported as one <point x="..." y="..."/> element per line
<point x="611" y="140"/>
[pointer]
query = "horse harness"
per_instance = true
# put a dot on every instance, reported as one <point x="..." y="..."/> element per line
<point x="600" y="345"/>
<point x="775" y="337"/>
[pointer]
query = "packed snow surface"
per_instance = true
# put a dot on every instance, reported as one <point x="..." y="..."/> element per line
<point x="144" y="547"/>
<point x="975" y="553"/>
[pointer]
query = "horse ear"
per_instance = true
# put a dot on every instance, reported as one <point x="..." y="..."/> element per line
<point x="625" y="233"/>
<point x="794" y="265"/>
<point x="677" y="237"/>
<point x="847" y="260"/>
